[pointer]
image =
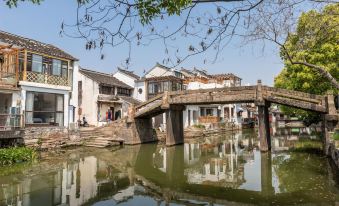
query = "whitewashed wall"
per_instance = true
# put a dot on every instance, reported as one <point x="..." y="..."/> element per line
<point x="140" y="96"/>
<point x="125" y="78"/>
<point x="199" y="85"/>
<point x="90" y="92"/>
<point x="74" y="97"/>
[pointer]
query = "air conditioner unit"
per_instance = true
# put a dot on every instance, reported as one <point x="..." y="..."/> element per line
<point x="15" y="110"/>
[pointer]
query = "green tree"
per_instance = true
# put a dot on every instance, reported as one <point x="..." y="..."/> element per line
<point x="316" y="41"/>
<point x="14" y="3"/>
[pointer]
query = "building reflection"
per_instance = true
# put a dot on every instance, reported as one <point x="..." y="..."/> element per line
<point x="219" y="163"/>
<point x="286" y="137"/>
<point x="74" y="183"/>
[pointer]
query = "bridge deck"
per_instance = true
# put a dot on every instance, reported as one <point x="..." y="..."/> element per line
<point x="229" y="95"/>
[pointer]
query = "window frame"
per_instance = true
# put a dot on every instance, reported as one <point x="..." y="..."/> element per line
<point x="33" y="62"/>
<point x="54" y="112"/>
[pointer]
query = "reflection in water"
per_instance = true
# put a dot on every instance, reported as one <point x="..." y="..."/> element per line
<point x="217" y="170"/>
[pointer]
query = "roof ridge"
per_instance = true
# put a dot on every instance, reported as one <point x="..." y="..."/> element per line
<point x="27" y="38"/>
<point x="94" y="71"/>
<point x="30" y="43"/>
<point x="83" y="70"/>
<point x="129" y="73"/>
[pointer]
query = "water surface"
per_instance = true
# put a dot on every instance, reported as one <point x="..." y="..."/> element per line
<point x="223" y="169"/>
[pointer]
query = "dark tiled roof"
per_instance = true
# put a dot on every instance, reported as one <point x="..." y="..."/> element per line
<point x="33" y="45"/>
<point x="187" y="72"/>
<point x="130" y="100"/>
<point x="103" y="78"/>
<point x="200" y="71"/>
<point x="224" y="76"/>
<point x="129" y="73"/>
<point x="162" y="66"/>
<point x="164" y="78"/>
<point x="158" y="65"/>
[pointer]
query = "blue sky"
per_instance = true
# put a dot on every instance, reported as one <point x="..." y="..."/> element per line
<point x="43" y="23"/>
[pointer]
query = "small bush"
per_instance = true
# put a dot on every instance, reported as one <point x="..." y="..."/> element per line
<point x="336" y="135"/>
<point x="200" y="126"/>
<point x="9" y="156"/>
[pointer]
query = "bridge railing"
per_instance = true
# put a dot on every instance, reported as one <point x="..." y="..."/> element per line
<point x="223" y="89"/>
<point x="296" y="94"/>
<point x="257" y="93"/>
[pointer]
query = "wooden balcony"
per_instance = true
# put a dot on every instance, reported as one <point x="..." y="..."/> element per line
<point x="44" y="78"/>
<point x="9" y="62"/>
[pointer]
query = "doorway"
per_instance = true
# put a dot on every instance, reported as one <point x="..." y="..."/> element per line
<point x="113" y="113"/>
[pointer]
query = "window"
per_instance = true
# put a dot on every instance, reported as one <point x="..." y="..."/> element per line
<point x="36" y="63"/>
<point x="56" y="68"/>
<point x="21" y="61"/>
<point x="176" y="86"/>
<point x="106" y="90"/>
<point x="209" y="112"/>
<point x="140" y="91"/>
<point x="150" y="89"/>
<point x="64" y="69"/>
<point x="202" y="112"/>
<point x="165" y="86"/>
<point x="79" y="93"/>
<point x="123" y="91"/>
<point x="156" y="88"/>
<point x="178" y="74"/>
<point x="70" y="77"/>
<point x="44" y="108"/>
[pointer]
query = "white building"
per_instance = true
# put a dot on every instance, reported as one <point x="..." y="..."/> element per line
<point x="134" y="81"/>
<point x="200" y="114"/>
<point x="158" y="80"/>
<point x="102" y="97"/>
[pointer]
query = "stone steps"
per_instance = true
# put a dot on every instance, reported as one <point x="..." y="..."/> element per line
<point x="100" y="137"/>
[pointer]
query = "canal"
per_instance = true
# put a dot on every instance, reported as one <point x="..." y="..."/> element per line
<point x="221" y="169"/>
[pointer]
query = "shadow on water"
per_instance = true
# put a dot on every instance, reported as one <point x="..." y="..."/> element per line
<point x="221" y="170"/>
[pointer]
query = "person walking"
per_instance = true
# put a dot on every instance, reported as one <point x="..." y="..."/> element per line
<point x="109" y="115"/>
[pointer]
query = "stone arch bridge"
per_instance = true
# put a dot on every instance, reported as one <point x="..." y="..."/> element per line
<point x="139" y="124"/>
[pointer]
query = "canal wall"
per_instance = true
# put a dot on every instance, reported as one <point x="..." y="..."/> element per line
<point x="50" y="137"/>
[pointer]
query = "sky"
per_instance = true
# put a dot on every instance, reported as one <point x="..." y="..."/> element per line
<point x="42" y="23"/>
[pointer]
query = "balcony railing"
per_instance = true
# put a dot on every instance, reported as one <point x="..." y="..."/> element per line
<point x="45" y="79"/>
<point x="107" y="98"/>
<point x="8" y="78"/>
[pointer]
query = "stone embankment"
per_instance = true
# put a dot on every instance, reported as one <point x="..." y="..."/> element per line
<point x="50" y="137"/>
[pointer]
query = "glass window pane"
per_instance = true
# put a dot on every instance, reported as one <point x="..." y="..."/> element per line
<point x="64" y="70"/>
<point x="36" y="63"/>
<point x="29" y="101"/>
<point x="56" y="67"/>
<point x="43" y="117"/>
<point x="59" y="119"/>
<point x="60" y="103"/>
<point x="44" y="102"/>
<point x="29" y="118"/>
